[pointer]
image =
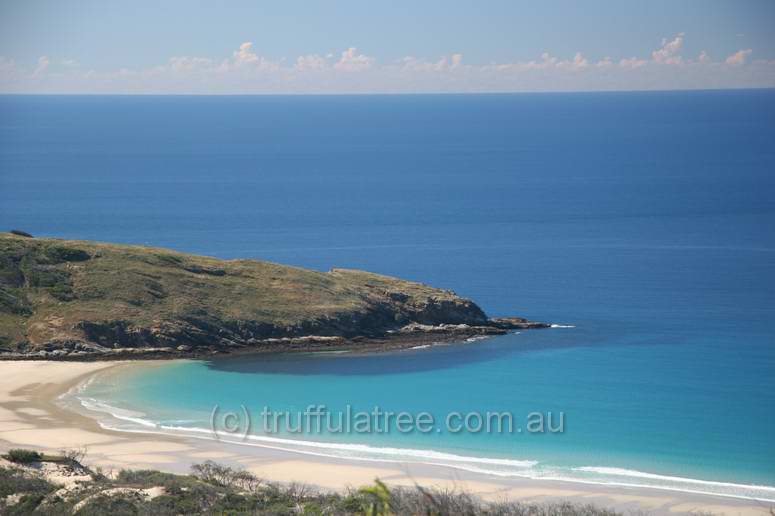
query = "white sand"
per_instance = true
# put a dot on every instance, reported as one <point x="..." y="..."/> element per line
<point x="30" y="418"/>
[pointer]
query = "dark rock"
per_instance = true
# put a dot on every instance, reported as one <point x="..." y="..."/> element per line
<point x="59" y="254"/>
<point x="212" y="271"/>
<point x="516" y="323"/>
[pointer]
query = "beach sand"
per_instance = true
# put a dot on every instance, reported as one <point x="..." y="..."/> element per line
<point x="30" y="417"/>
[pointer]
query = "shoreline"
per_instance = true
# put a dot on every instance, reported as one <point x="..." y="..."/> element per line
<point x="303" y="344"/>
<point x="30" y="417"/>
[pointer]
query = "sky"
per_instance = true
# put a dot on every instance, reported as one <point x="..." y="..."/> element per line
<point x="398" y="46"/>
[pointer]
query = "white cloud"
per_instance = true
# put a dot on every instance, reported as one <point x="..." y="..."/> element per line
<point x="738" y="57"/>
<point x="246" y="71"/>
<point x="352" y="61"/>
<point x="246" y="57"/>
<point x="579" y="62"/>
<point x="445" y="63"/>
<point x="245" y="53"/>
<point x="632" y="62"/>
<point x="311" y="62"/>
<point x="668" y="52"/>
<point x="43" y="63"/>
<point x="547" y="61"/>
<point x="189" y="64"/>
<point x="606" y="62"/>
<point x="410" y="63"/>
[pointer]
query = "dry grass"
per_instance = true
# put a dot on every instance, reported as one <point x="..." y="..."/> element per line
<point x="49" y="287"/>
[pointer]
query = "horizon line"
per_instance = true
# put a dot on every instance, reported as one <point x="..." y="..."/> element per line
<point x="384" y="94"/>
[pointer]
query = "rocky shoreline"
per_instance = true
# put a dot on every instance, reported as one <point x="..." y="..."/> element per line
<point x="410" y="336"/>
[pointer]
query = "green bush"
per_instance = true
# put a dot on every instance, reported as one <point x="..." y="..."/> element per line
<point x="62" y="292"/>
<point x="13" y="301"/>
<point x="312" y="509"/>
<point x="115" y="505"/>
<point x="147" y="478"/>
<point x="58" y="254"/>
<point x="22" y="456"/>
<point x="168" y="259"/>
<point x="234" y="503"/>
<point x="173" y="505"/>
<point x="26" y="505"/>
<point x="224" y="476"/>
<point x="14" y="481"/>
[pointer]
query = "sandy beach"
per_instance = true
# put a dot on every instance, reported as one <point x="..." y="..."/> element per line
<point x="30" y="417"/>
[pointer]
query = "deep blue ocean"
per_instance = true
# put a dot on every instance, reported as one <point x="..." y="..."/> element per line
<point x="646" y="221"/>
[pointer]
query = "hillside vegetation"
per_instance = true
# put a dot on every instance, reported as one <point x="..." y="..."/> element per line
<point x="65" y="298"/>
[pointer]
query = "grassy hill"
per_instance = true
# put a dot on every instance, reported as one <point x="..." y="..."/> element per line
<point x="80" y="297"/>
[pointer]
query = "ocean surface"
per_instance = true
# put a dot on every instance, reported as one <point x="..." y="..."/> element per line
<point x="642" y="222"/>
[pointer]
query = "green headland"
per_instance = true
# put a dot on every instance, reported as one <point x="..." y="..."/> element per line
<point x="79" y="299"/>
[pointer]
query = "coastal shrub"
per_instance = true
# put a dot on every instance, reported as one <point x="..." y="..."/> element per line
<point x="15" y="481"/>
<point x="45" y="276"/>
<point x="168" y="259"/>
<point x="435" y="501"/>
<point x="49" y="506"/>
<point x="26" y="505"/>
<point x="351" y="504"/>
<point x="147" y="478"/>
<point x="376" y="499"/>
<point x="22" y="456"/>
<point x="223" y="494"/>
<point x="10" y="271"/>
<point x="233" y="503"/>
<point x="313" y="509"/>
<point x="548" y="509"/>
<point x="12" y="301"/>
<point x="225" y="476"/>
<point x="113" y="505"/>
<point x="173" y="505"/>
<point x="74" y="455"/>
<point x="58" y="254"/>
<point x="198" y="498"/>
<point x="379" y="500"/>
<point x="62" y="292"/>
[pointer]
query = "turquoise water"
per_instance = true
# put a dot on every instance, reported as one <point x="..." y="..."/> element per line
<point x="642" y="220"/>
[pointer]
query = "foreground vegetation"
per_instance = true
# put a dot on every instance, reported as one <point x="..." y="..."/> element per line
<point x="217" y="489"/>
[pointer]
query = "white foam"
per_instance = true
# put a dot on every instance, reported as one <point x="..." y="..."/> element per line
<point x="122" y="414"/>
<point x="621" y="472"/>
<point x="137" y="417"/>
<point x="529" y="469"/>
<point x="562" y="326"/>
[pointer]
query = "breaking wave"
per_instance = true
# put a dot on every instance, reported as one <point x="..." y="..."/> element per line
<point x="125" y="420"/>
